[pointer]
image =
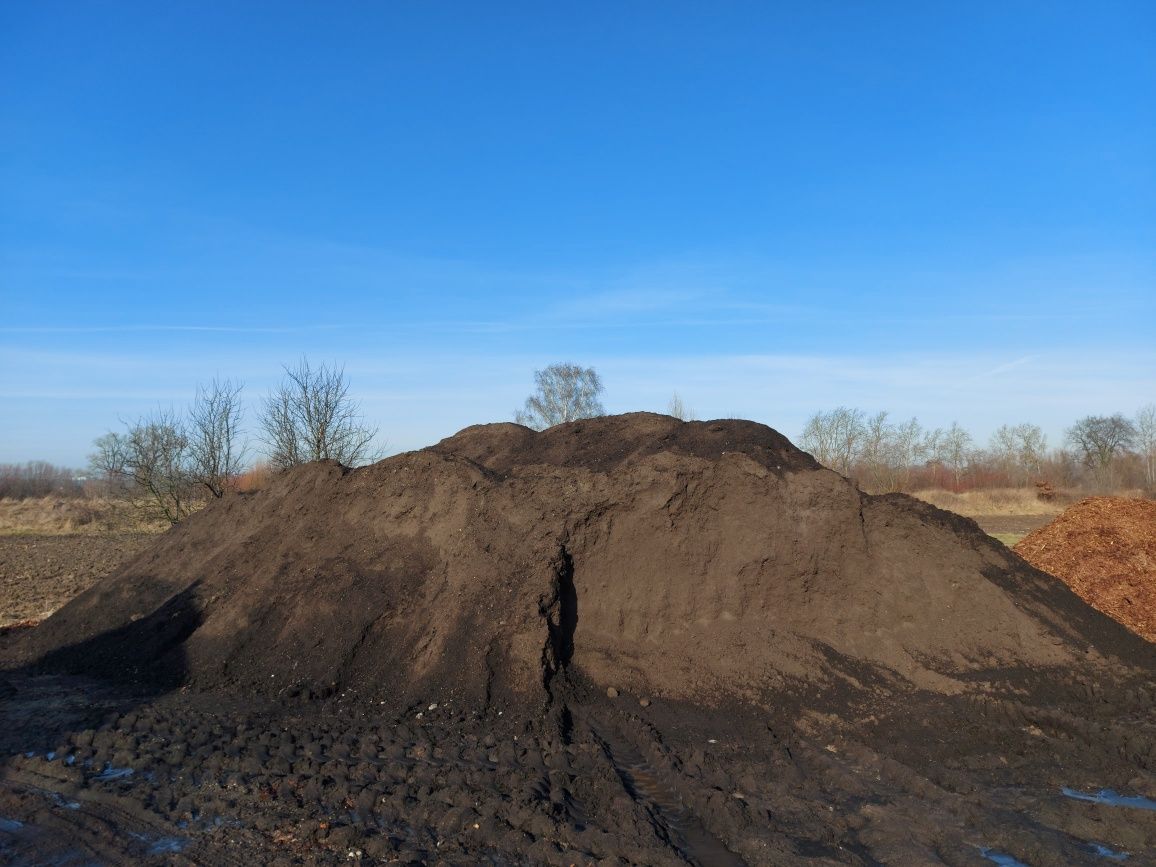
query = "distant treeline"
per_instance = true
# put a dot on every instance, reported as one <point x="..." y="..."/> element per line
<point x="1098" y="452"/>
<point x="39" y="479"/>
<point x="170" y="461"/>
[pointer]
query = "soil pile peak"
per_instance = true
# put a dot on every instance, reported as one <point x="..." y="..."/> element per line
<point x="1104" y="548"/>
<point x="699" y="561"/>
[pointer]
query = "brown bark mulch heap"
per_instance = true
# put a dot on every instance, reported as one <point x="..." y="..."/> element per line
<point x="1104" y="548"/>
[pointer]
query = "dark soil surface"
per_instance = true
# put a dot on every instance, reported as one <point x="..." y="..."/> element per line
<point x="627" y="641"/>
<point x="38" y="574"/>
<point x="904" y="777"/>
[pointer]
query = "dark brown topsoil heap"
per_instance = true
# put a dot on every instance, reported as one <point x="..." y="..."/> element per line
<point x="699" y="561"/>
<point x="1104" y="548"/>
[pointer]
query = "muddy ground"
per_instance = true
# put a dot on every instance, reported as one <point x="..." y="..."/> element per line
<point x="889" y="776"/>
<point x="39" y="573"/>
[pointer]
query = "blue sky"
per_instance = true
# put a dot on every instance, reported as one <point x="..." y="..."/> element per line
<point x="945" y="210"/>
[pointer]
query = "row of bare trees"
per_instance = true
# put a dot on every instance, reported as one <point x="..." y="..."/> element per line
<point x="885" y="455"/>
<point x="37" y="479"/>
<point x="167" y="462"/>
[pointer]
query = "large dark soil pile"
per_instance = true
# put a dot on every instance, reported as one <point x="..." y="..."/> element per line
<point x="1104" y="548"/>
<point x="621" y="641"/>
<point x="696" y="561"/>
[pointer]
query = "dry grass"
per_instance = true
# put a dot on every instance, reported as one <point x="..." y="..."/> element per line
<point x="1009" y="539"/>
<point x="997" y="501"/>
<point x="55" y="516"/>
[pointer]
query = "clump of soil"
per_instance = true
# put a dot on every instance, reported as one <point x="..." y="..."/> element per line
<point x="692" y="561"/>
<point x="1104" y="548"/>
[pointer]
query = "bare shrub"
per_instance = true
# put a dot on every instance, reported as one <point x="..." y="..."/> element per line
<point x="151" y="461"/>
<point x="311" y="417"/>
<point x="215" y="453"/>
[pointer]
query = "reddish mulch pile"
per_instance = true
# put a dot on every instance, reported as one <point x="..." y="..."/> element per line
<point x="1104" y="548"/>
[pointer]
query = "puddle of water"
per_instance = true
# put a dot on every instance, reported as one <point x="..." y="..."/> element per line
<point x="166" y="845"/>
<point x="1104" y="852"/>
<point x="1000" y="858"/>
<point x="111" y="773"/>
<point x="60" y="801"/>
<point x="1111" y="798"/>
<point x="161" y="845"/>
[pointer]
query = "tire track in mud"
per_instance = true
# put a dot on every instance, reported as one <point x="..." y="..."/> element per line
<point x="675" y="823"/>
<point x="64" y="824"/>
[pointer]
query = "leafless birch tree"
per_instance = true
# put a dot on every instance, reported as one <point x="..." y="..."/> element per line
<point x="566" y="392"/>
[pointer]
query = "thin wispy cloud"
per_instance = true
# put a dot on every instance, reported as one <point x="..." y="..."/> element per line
<point x="140" y="329"/>
<point x="1005" y="368"/>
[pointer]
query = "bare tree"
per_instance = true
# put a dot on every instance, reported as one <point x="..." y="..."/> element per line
<point x="1146" y="441"/>
<point x="912" y="445"/>
<point x="215" y="450"/>
<point x="955" y="451"/>
<point x="875" y="456"/>
<point x="835" y="438"/>
<point x="678" y="409"/>
<point x="311" y="417"/>
<point x="108" y="462"/>
<point x="1100" y="438"/>
<point x="151" y="459"/>
<point x="565" y="392"/>
<point x="1019" y="450"/>
<point x="889" y="452"/>
<point x="37" y="479"/>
